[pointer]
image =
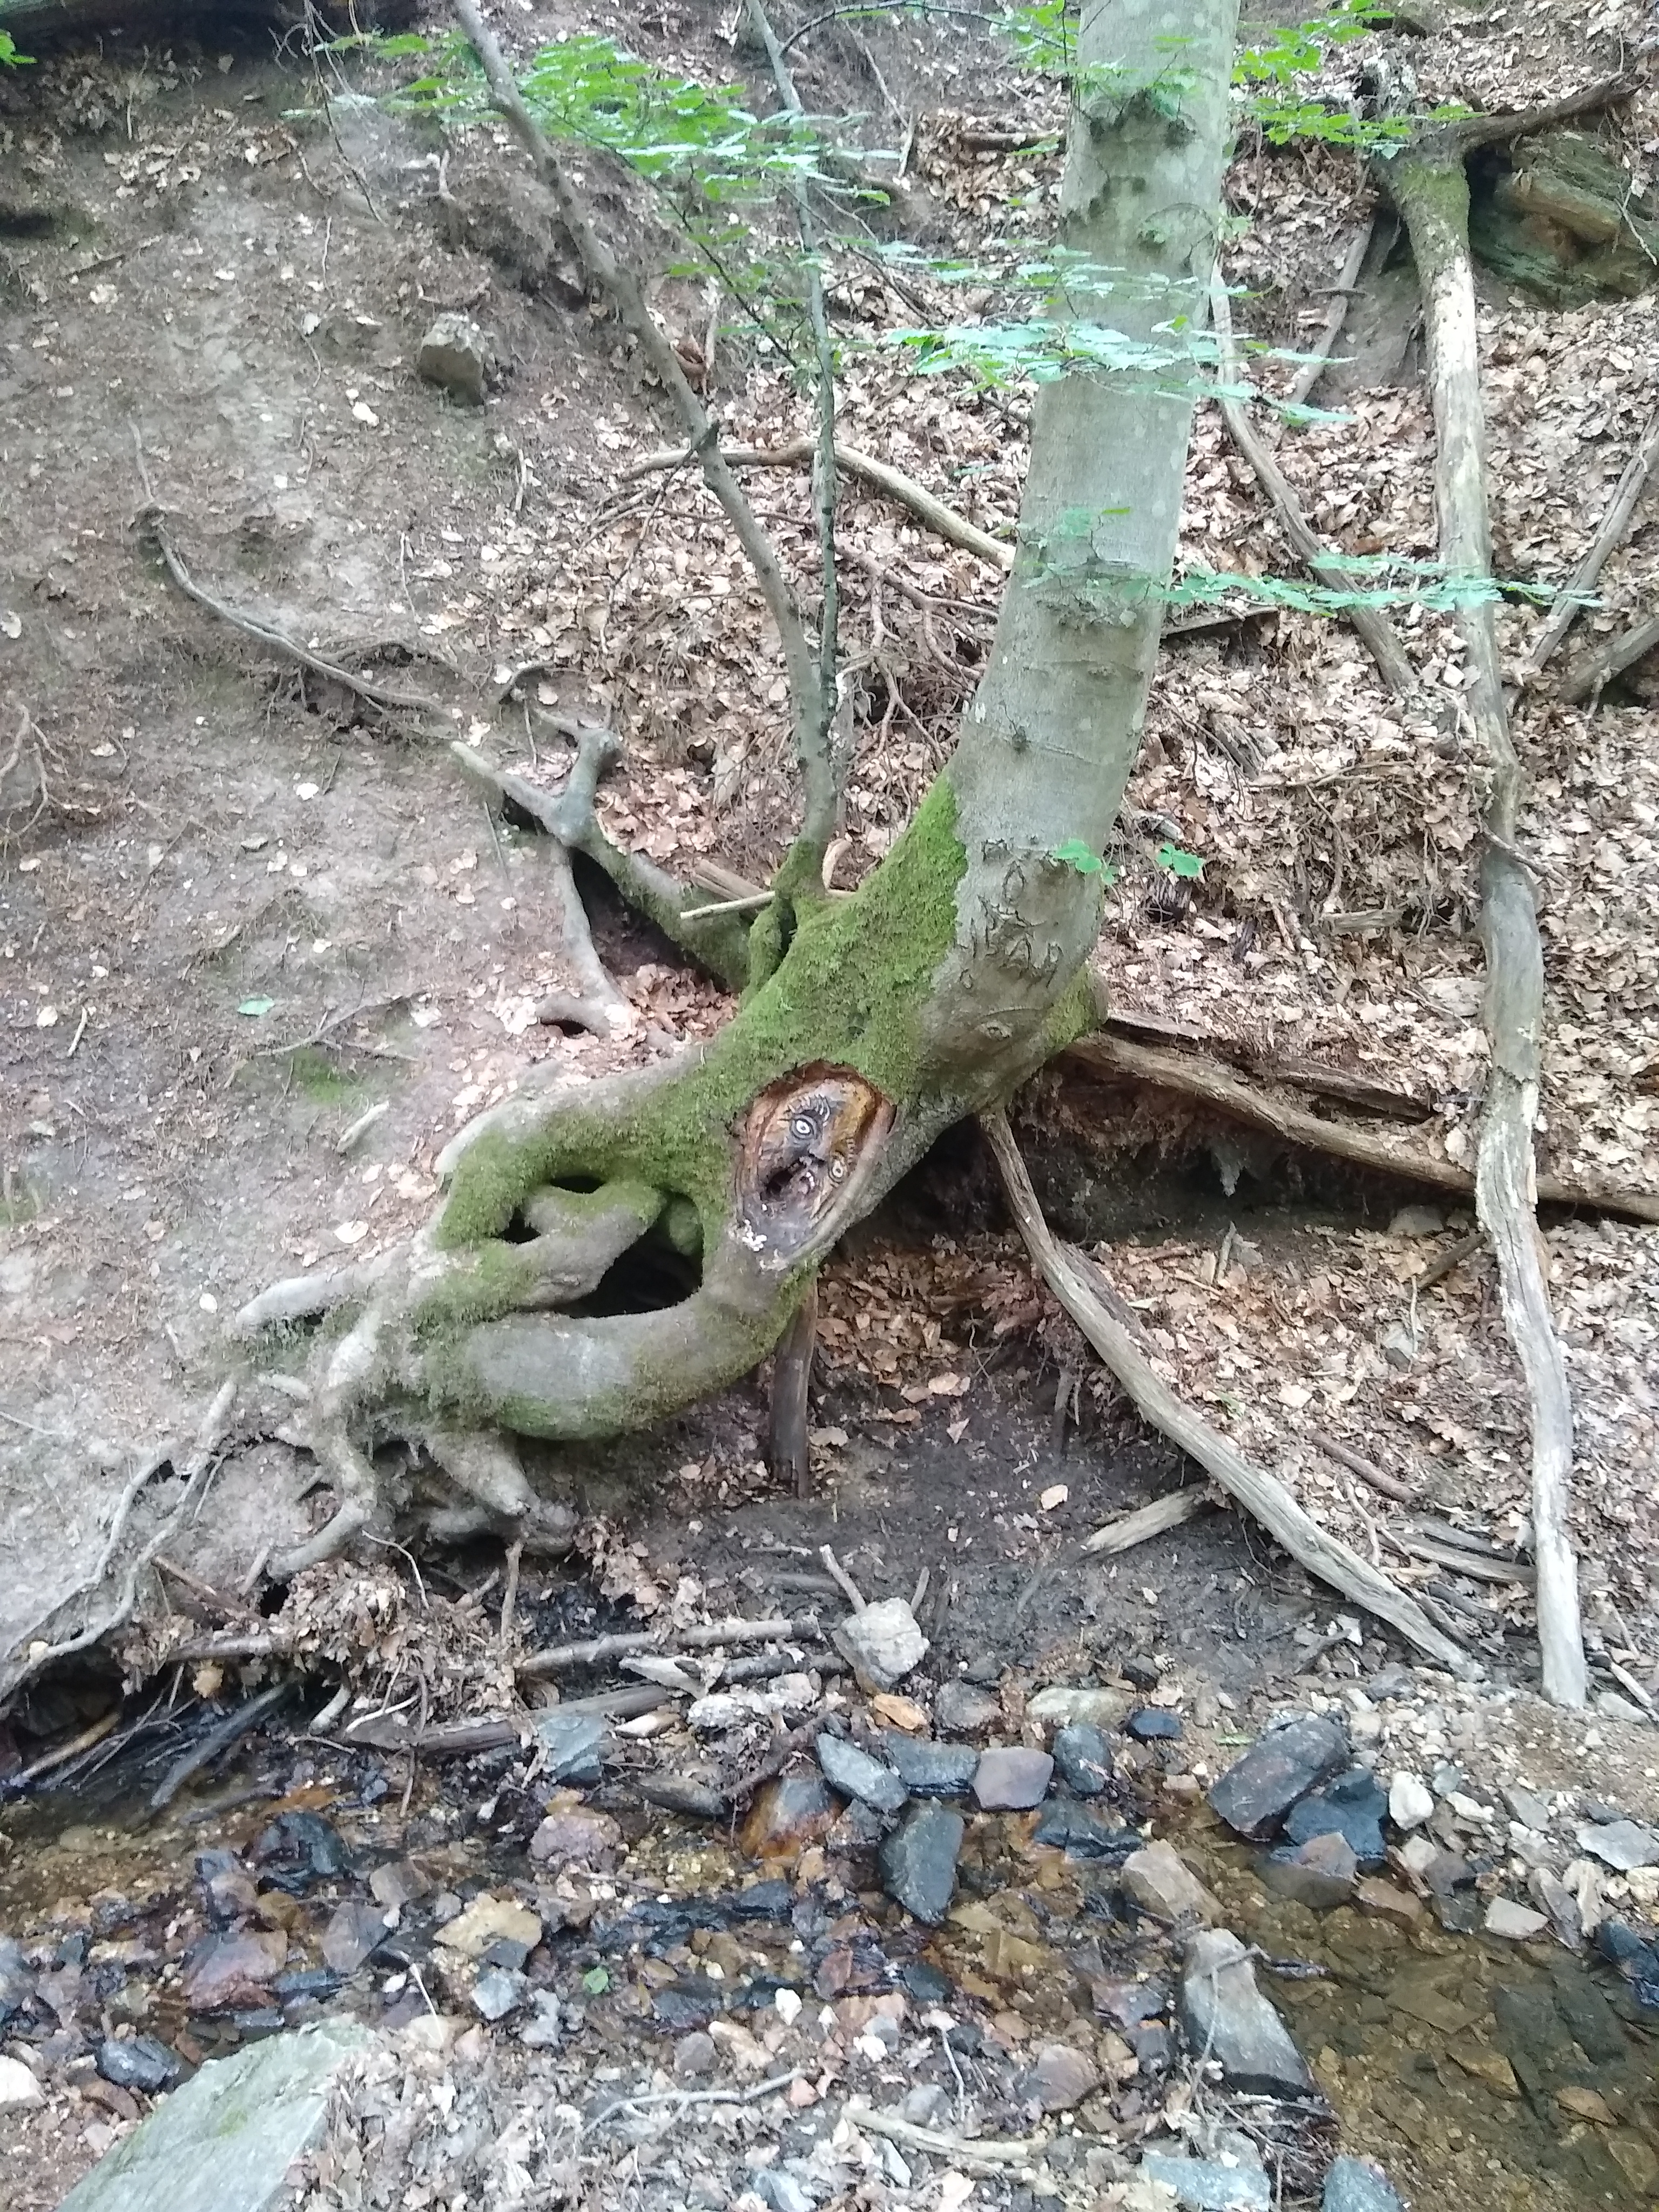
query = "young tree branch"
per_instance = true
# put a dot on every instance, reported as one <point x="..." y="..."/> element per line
<point x="1430" y="189"/>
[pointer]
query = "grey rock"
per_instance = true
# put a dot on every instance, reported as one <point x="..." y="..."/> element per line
<point x="570" y="1745"/>
<point x="918" y="1861"/>
<point x="1445" y="1778"/>
<point x="931" y="1770"/>
<point x="1550" y="1895"/>
<point x="1617" y="1708"/>
<point x="498" y="1991"/>
<point x="882" y="1644"/>
<point x="1530" y="1807"/>
<point x="1256" y="1793"/>
<point x="1162" y="1883"/>
<point x="1352" y="1806"/>
<point x="962" y="1708"/>
<point x="855" y="1774"/>
<point x="1320" y="1874"/>
<point x="927" y="2106"/>
<point x="456" y="355"/>
<point x="1083" y="1757"/>
<point x="16" y="1982"/>
<point x="225" y="2141"/>
<point x="1410" y="1802"/>
<point x="780" y="2191"/>
<point x="1060" y="2077"/>
<point x="1208" y="2186"/>
<point x="138" y="2062"/>
<point x="1518" y="1923"/>
<point x="695" y="2055"/>
<point x="352" y="1933"/>
<point x="1082" y="1834"/>
<point x="1621" y="1845"/>
<point x="1011" y="1780"/>
<point x="1154" y="1724"/>
<point x="1417" y="1221"/>
<point x="544" y="2028"/>
<point x="860" y="1828"/>
<point x="1354" y="2184"/>
<point x="1532" y="1849"/>
<point x="1394" y="1681"/>
<point x="1062" y="1702"/>
<point x="1223" y="2013"/>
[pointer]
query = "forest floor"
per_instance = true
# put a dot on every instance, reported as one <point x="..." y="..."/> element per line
<point x="237" y="910"/>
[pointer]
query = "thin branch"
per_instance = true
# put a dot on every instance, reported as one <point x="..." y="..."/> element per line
<point x="1375" y="630"/>
<point x="1476" y="130"/>
<point x="1319" y="358"/>
<point x="1614" y="523"/>
<point x="621" y="288"/>
<point x="894" y="8"/>
<point x="1069" y="1276"/>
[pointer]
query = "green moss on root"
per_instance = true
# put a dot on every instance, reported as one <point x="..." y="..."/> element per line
<point x="498" y="1282"/>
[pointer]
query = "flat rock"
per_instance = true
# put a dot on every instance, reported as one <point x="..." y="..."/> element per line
<point x="1410" y="1802"/>
<point x="138" y="2062"/>
<point x="1621" y="1845"/>
<point x="353" y="1932"/>
<point x="1225" y="2013"/>
<point x="1551" y="1895"/>
<point x="1082" y="1834"/>
<point x="931" y="1770"/>
<point x="1530" y="1807"/>
<point x="1257" y="1790"/>
<point x="856" y="1774"/>
<point x="1083" y="1757"/>
<point x="570" y="1745"/>
<point x="576" y="1835"/>
<point x="1011" y="1780"/>
<point x="1062" y="1702"/>
<point x="788" y="1813"/>
<point x="1519" y="1923"/>
<point x="18" y="2085"/>
<point x="489" y="1920"/>
<point x="882" y="1644"/>
<point x="962" y="1708"/>
<point x="456" y="355"/>
<point x="225" y="2141"/>
<point x="1154" y="1724"/>
<point x="927" y="2106"/>
<point x="230" y="1973"/>
<point x="1354" y="2184"/>
<point x="1208" y="2186"/>
<point x="398" y="1882"/>
<point x="695" y="2055"/>
<point x="1352" y="1806"/>
<point x="498" y="1991"/>
<point x="918" y="1861"/>
<point x="1162" y="1883"/>
<point x="1384" y="1900"/>
<point x="1319" y="1873"/>
<point x="1062" y="2076"/>
<point x="16" y="1982"/>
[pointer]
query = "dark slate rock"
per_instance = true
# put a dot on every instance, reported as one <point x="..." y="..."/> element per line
<point x="680" y="2009"/>
<point x="1225" y="2013"/>
<point x="299" y="1849"/>
<point x="1083" y="1757"/>
<point x="1140" y="1668"/>
<point x="1082" y="1834"/>
<point x="569" y="1744"/>
<point x="1153" y="1724"/>
<point x="305" y="1982"/>
<point x="762" y="1900"/>
<point x="1319" y="1873"/>
<point x="140" y="2063"/>
<point x="1354" y="1807"/>
<point x="931" y="1770"/>
<point x="855" y="1774"/>
<point x="926" y="1984"/>
<point x="860" y="1828"/>
<point x="1354" y="2184"/>
<point x="918" y="1861"/>
<point x="1257" y="1790"/>
<point x="16" y="1982"/>
<point x="354" y="1931"/>
<point x="1011" y="1780"/>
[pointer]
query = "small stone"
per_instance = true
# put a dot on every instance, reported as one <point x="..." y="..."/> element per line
<point x="1061" y="1702"/>
<point x="859" y="1829"/>
<point x="963" y="1708"/>
<point x="1417" y="1221"/>
<point x="1530" y="1807"/>
<point x="1061" y="2077"/>
<point x="780" y="2191"/>
<point x="1162" y="1883"/>
<point x="17" y="2085"/>
<point x="1352" y="1806"/>
<point x="927" y="2106"/>
<point x="1418" y="1854"/>
<point x="1488" y="2066"/>
<point x="1382" y="1900"/>
<point x="1398" y="1345"/>
<point x="455" y="354"/>
<point x="1011" y="1780"/>
<point x="918" y="1861"/>
<point x="931" y="1770"/>
<point x="1621" y="1845"/>
<point x="1154" y="1724"/>
<point x="855" y="1774"/>
<point x="695" y="2055"/>
<point x="16" y="1982"/>
<point x="399" y="1882"/>
<point x="1553" y="1896"/>
<point x="1410" y="1802"/>
<point x="1208" y="2186"/>
<point x="1225" y="2013"/>
<point x="1257" y="1790"/>
<point x="788" y="1815"/>
<point x="352" y="1933"/>
<point x="498" y="1991"/>
<point x="489" y="1920"/>
<point x="1394" y="1681"/>
<point x="1082" y="1834"/>
<point x="1083" y="1757"/>
<point x="569" y="1745"/>
<point x="1619" y="1708"/>
<point x="576" y="1835"/>
<point x="1355" y="2184"/>
<point x="544" y="2028"/>
<point x="1142" y="1669"/>
<point x="1587" y="2104"/>
<point x="1532" y="1849"/>
<point x="882" y="1644"/>
<point x="1518" y="1923"/>
<point x="1319" y="1873"/>
<point x="230" y="1973"/>
<point x="138" y="2062"/>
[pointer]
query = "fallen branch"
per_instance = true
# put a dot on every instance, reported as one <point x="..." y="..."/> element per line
<point x="564" y="1658"/>
<point x="1592" y="672"/>
<point x="1129" y="1529"/>
<point x="1614" y="523"/>
<point x="1319" y="358"/>
<point x="682" y="2100"/>
<point x="943" y="520"/>
<point x="1069" y="1275"/>
<point x="1386" y="1486"/>
<point x="994" y="2153"/>
<point x="1429" y="186"/>
<point x="1372" y="627"/>
<point x="1193" y="1076"/>
<point x="219" y="1740"/>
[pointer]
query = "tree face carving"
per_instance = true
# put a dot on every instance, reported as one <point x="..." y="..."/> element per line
<point x="805" y="1145"/>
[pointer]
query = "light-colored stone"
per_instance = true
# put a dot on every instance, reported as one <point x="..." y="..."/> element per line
<point x="1225" y="2013"/>
<point x="1383" y="1901"/>
<point x="455" y="354"/>
<point x="17" y="2085"/>
<point x="224" y="2142"/>
<point x="1621" y="1845"/>
<point x="1208" y="2185"/>
<point x="1518" y="1923"/>
<point x="1162" y="1883"/>
<point x="489" y="1920"/>
<point x="1064" y="1702"/>
<point x="883" y="1644"/>
<point x="1418" y="1854"/>
<point x="1062" y="2077"/>
<point x="1410" y="1801"/>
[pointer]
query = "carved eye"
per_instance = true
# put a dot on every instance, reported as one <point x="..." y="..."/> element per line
<point x="837" y="1169"/>
<point x="803" y="1127"/>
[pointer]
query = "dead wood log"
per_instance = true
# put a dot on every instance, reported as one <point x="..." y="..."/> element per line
<point x="1320" y="354"/>
<point x="1069" y="1275"/>
<point x="1592" y="672"/>
<point x="1146" y="1522"/>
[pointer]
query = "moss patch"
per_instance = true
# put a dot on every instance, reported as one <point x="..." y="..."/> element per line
<point x="320" y="1078"/>
<point x="499" y="1280"/>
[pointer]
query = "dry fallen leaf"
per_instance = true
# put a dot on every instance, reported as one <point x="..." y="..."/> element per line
<point x="901" y="1713"/>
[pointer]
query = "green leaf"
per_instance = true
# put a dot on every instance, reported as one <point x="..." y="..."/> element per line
<point x="596" y="1981"/>
<point x="10" y="56"/>
<point x="1074" y="854"/>
<point x="1179" y="863"/>
<point x="255" y="1007"/>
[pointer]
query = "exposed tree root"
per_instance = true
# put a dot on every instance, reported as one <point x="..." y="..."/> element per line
<point x="786" y="1450"/>
<point x="1069" y="1275"/>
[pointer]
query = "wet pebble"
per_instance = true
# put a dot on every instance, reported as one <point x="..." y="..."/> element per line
<point x="138" y="2062"/>
<point x="1154" y="1724"/>
<point x="1011" y="1779"/>
<point x="1354" y="2184"/>
<point x="1259" y="1788"/>
<point x="230" y="1888"/>
<point x="1062" y="2076"/>
<point x="1352" y="1806"/>
<point x="857" y="1774"/>
<point x="299" y="1849"/>
<point x="1082" y="1834"/>
<point x="569" y="1745"/>
<point x="918" y="1861"/>
<point x="931" y="1770"/>
<point x="1083" y="1757"/>
<point x="16" y="1982"/>
<point x="926" y="1984"/>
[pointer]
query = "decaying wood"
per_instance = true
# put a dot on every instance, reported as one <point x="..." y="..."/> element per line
<point x="1429" y="187"/>
<point x="1129" y="1529"/>
<point x="1386" y="1486"/>
<point x="1476" y="1565"/>
<point x="1069" y="1275"/>
<point x="1614" y="523"/>
<point x="1194" y="1075"/>
<point x="1592" y="672"/>
<point x="788" y="1454"/>
<point x="1319" y="353"/>
<point x="565" y="1658"/>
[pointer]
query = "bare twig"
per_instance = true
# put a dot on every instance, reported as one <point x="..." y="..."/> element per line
<point x="843" y="1580"/>
<point x="1386" y="1486"/>
<point x="683" y="2099"/>
<point x="1069" y="1276"/>
<point x="510" y="1595"/>
<point x="1592" y="672"/>
<point x="991" y="2153"/>
<point x="563" y="1658"/>
<point x="1614" y="523"/>
<point x="219" y="1740"/>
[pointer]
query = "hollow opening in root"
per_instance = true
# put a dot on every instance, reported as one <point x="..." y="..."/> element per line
<point x="649" y="1277"/>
